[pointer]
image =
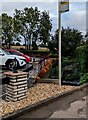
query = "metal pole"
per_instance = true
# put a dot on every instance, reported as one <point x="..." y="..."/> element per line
<point x="59" y="42"/>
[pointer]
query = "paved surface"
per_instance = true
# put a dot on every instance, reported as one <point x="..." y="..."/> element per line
<point x="77" y="109"/>
<point x="71" y="106"/>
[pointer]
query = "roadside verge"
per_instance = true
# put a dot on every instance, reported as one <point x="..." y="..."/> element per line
<point x="43" y="102"/>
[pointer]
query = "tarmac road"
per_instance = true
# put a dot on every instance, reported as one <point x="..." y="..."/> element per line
<point x="77" y="109"/>
<point x="70" y="106"/>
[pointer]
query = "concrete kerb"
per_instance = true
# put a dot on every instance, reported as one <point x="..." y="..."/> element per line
<point x="42" y="103"/>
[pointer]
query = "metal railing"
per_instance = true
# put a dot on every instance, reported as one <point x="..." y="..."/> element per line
<point x="42" y="63"/>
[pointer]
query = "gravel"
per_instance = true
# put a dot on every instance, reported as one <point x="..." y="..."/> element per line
<point x="35" y="94"/>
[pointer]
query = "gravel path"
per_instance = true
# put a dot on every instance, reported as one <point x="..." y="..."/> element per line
<point x="35" y="94"/>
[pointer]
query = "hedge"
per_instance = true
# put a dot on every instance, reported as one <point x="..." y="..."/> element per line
<point x="53" y="55"/>
<point x="82" y="56"/>
<point x="36" y="52"/>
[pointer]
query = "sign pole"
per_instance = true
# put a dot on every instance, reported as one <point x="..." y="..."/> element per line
<point x="59" y="43"/>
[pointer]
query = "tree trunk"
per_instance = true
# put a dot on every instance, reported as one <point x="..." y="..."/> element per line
<point x="25" y="45"/>
<point x="29" y="46"/>
<point x="9" y="45"/>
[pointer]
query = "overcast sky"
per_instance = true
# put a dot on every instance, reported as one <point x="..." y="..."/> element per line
<point x="75" y="18"/>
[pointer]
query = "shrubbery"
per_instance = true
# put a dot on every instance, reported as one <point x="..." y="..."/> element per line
<point x="82" y="56"/>
<point x="53" y="55"/>
<point x="84" y="78"/>
<point x="65" y="61"/>
<point x="36" y="52"/>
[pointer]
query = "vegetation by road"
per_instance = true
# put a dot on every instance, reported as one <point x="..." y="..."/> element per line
<point x="35" y="27"/>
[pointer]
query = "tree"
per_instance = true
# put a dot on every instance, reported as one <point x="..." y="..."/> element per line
<point x="18" y="44"/>
<point x="7" y="29"/>
<point x="0" y="30"/>
<point x="70" y="40"/>
<point x="45" y="27"/>
<point x="28" y="23"/>
<point x="34" y="45"/>
<point x="52" y="44"/>
<point x="86" y="37"/>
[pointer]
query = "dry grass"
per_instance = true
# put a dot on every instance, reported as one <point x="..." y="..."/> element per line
<point x="17" y="47"/>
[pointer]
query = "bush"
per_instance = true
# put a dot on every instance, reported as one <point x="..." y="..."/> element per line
<point x="22" y="49"/>
<point x="54" y="55"/>
<point x="34" y="45"/>
<point x="36" y="52"/>
<point x="82" y="55"/>
<point x="54" y="70"/>
<point x="66" y="61"/>
<point x="18" y="44"/>
<point x="72" y="77"/>
<point x="70" y="70"/>
<point x="84" y="78"/>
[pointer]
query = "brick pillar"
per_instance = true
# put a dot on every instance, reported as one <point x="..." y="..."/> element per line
<point x="16" y="89"/>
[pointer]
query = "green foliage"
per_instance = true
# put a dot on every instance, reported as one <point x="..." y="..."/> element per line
<point x="82" y="55"/>
<point x="70" y="39"/>
<point x="53" y="43"/>
<point x="0" y="29"/>
<point x="32" y="25"/>
<point x="71" y="77"/>
<point x="7" y="29"/>
<point x="34" y="45"/>
<point x="29" y="23"/>
<point x="65" y="61"/>
<point x="54" y="70"/>
<point x="36" y="52"/>
<point x="18" y="44"/>
<point x="70" y="70"/>
<point x="28" y="26"/>
<point x="52" y="48"/>
<point x="84" y="78"/>
<point x="57" y="72"/>
<point x="45" y="27"/>
<point x="53" y="55"/>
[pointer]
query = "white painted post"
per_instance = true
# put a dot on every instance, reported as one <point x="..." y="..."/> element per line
<point x="63" y="6"/>
<point x="59" y="43"/>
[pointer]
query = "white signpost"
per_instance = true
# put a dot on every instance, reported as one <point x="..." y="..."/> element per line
<point x="63" y="7"/>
